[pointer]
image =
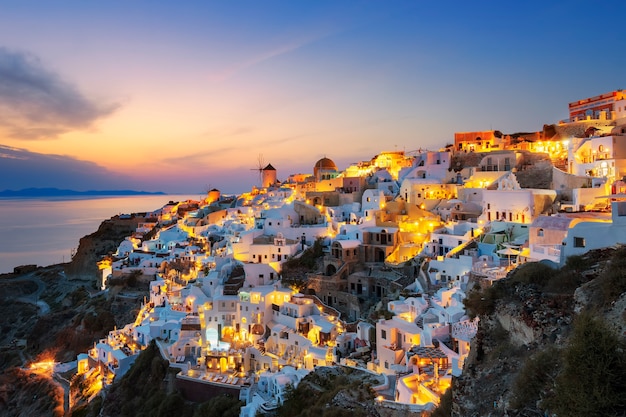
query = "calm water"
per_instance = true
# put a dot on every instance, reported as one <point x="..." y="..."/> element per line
<point x="46" y="231"/>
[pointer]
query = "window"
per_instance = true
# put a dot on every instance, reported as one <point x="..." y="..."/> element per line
<point x="579" y="242"/>
<point x="383" y="334"/>
<point x="540" y="232"/>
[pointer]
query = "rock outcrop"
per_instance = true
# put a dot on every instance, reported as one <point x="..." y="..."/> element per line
<point x="530" y="322"/>
<point x="98" y="244"/>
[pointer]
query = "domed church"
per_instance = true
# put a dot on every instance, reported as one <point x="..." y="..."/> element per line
<point x="325" y="169"/>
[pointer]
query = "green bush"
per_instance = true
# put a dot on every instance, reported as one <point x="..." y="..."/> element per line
<point x="593" y="380"/>
<point x="612" y="284"/>
<point x="532" y="273"/>
<point x="480" y="302"/>
<point x="564" y="281"/>
<point x="171" y="405"/>
<point x="578" y="263"/>
<point x="222" y="406"/>
<point x="535" y="377"/>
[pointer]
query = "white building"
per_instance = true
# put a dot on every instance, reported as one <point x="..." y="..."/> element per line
<point x="585" y="235"/>
<point x="598" y="157"/>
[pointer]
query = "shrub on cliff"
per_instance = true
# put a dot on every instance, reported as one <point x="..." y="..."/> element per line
<point x="535" y="378"/>
<point x="593" y="379"/>
<point x="220" y="406"/>
<point x="535" y="273"/>
<point x="480" y="302"/>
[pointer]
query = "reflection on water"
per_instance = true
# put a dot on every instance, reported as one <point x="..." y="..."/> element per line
<point x="47" y="231"/>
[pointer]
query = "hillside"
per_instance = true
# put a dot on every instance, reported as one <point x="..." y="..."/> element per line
<point x="54" y="313"/>
<point x="104" y="241"/>
<point x="549" y="341"/>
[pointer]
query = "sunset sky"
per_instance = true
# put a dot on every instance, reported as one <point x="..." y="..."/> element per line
<point x="181" y="97"/>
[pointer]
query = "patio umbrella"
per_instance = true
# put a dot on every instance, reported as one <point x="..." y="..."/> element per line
<point x="508" y="251"/>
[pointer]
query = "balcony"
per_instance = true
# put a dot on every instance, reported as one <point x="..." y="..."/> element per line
<point x="491" y="272"/>
<point x="553" y="251"/>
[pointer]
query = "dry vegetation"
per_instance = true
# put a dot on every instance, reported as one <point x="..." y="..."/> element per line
<point x="563" y="350"/>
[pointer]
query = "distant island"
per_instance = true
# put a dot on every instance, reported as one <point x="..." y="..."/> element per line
<point x="56" y="192"/>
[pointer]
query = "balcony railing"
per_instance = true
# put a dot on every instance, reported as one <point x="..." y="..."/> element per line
<point x="549" y="250"/>
<point x="465" y="330"/>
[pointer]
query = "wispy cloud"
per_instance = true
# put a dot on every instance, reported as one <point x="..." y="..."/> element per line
<point x="223" y="146"/>
<point x="199" y="157"/>
<point x="36" y="103"/>
<point x="287" y="47"/>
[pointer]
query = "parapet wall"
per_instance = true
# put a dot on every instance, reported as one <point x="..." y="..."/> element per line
<point x="563" y="183"/>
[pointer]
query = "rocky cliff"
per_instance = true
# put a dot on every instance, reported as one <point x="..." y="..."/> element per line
<point x="530" y="323"/>
<point x="102" y="242"/>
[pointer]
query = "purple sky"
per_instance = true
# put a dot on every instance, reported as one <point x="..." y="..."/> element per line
<point x="182" y="97"/>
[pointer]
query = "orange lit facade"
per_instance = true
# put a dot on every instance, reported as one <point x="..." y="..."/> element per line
<point x="604" y="106"/>
<point x="475" y="141"/>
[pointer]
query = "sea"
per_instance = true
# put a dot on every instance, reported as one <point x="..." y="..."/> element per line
<point x="47" y="231"/>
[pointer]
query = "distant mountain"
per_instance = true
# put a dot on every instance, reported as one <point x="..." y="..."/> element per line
<point x="55" y="192"/>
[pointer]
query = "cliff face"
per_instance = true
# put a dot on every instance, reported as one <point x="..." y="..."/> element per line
<point x="515" y="331"/>
<point x="518" y="353"/>
<point x="102" y="242"/>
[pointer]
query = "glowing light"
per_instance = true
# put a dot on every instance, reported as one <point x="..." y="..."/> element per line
<point x="44" y="367"/>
